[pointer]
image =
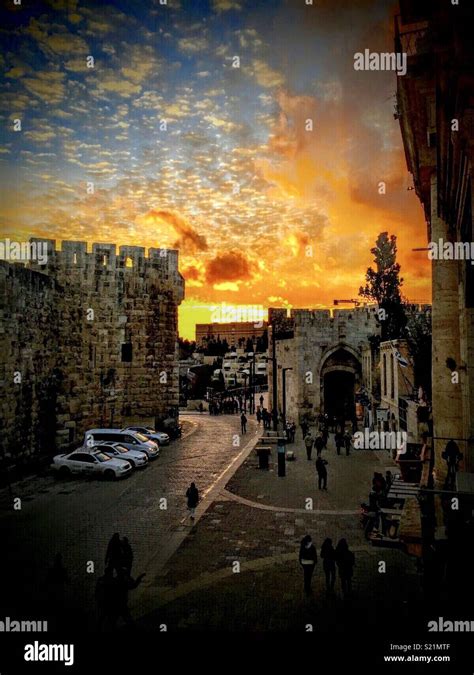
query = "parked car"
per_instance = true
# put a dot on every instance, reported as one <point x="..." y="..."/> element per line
<point x="137" y="458"/>
<point x="130" y="439"/>
<point x="158" y="436"/>
<point x="90" y="463"/>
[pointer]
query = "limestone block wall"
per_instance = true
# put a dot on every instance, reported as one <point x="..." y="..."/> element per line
<point x="110" y="340"/>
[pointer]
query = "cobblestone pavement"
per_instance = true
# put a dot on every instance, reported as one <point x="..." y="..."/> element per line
<point x="78" y="517"/>
<point x="237" y="569"/>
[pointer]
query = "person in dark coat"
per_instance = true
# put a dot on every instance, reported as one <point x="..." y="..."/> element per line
<point x="307" y="560"/>
<point x="319" y="444"/>
<point x="339" y="440"/>
<point x="347" y="442"/>
<point x="322" y="473"/>
<point x="308" y="441"/>
<point x="192" y="496"/>
<point x="127" y="555"/>
<point x="345" y="560"/>
<point x="243" y="423"/>
<point x="113" y="556"/>
<point x="328" y="556"/>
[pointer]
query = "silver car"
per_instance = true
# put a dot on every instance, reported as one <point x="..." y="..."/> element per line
<point x="137" y="458"/>
<point x="158" y="436"/>
<point x="132" y="440"/>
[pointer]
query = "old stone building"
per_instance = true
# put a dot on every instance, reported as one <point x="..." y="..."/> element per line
<point x="324" y="356"/>
<point x="436" y="114"/>
<point x="88" y="339"/>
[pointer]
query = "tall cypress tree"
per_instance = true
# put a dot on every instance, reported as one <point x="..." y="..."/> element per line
<point x="383" y="286"/>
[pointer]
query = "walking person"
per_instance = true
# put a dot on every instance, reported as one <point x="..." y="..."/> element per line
<point x="261" y="401"/>
<point x="192" y="496"/>
<point x="304" y="428"/>
<point x="113" y="555"/>
<point x="259" y="416"/>
<point x="322" y="473"/>
<point x="319" y="444"/>
<point x="308" y="560"/>
<point x="127" y="555"/>
<point x="339" y="440"/>
<point x="345" y="560"/>
<point x="308" y="441"/>
<point x="243" y="423"/>
<point x="347" y="442"/>
<point x="328" y="556"/>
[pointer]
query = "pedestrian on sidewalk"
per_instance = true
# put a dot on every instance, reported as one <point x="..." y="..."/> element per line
<point x="308" y="441"/>
<point x="347" y="442"/>
<point x="345" y="560"/>
<point x="261" y="401"/>
<point x="304" y="428"/>
<point x="192" y="496"/>
<point x="322" y="473"/>
<point x="308" y="560"/>
<point x="243" y="423"/>
<point x="259" y="416"/>
<point x="319" y="444"/>
<point x="328" y="556"/>
<point x="339" y="440"/>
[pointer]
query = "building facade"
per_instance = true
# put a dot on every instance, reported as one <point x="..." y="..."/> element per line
<point x="436" y="112"/>
<point x="88" y="340"/>
<point x="232" y="332"/>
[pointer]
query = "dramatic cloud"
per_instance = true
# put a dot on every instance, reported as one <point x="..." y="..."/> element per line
<point x="231" y="266"/>
<point x="188" y="237"/>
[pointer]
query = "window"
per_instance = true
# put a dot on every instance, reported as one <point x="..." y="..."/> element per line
<point x="392" y="376"/>
<point x="127" y="352"/>
<point x="384" y="374"/>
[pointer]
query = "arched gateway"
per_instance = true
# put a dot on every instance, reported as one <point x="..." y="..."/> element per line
<point x="339" y="380"/>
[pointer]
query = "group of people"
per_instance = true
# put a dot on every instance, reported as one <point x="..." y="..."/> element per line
<point x="263" y="415"/>
<point x="341" y="557"/>
<point x="113" y="587"/>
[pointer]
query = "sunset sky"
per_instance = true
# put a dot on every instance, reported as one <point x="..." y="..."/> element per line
<point x="236" y="181"/>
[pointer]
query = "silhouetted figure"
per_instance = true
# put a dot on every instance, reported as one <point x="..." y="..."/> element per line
<point x="113" y="556"/>
<point x="304" y="428"/>
<point x="243" y="423"/>
<point x="192" y="496"/>
<point x="124" y="583"/>
<point x="308" y="441"/>
<point x="345" y="560"/>
<point x="319" y="444"/>
<point x="328" y="556"/>
<point x="308" y="560"/>
<point x="259" y="416"/>
<point x="322" y="473"/>
<point x="339" y="440"/>
<point x="261" y="401"/>
<point x="127" y="555"/>
<point x="453" y="456"/>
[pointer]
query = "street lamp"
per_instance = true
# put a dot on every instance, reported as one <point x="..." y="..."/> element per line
<point x="284" y="396"/>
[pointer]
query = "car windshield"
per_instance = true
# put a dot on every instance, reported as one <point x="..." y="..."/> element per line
<point x="120" y="449"/>
<point x="150" y="431"/>
<point x="102" y="457"/>
<point x="141" y="437"/>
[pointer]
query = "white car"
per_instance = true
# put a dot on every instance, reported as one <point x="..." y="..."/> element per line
<point x="158" y="436"/>
<point x="137" y="459"/>
<point x="90" y="463"/>
<point x="129" y="439"/>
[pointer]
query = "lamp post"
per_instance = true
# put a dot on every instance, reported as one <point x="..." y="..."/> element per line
<point x="284" y="396"/>
<point x="274" y="381"/>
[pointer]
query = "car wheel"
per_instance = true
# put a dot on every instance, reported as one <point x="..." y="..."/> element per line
<point x="109" y="474"/>
<point x="64" y="472"/>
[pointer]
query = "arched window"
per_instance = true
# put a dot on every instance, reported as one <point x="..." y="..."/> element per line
<point x="392" y="376"/>
<point x="384" y="374"/>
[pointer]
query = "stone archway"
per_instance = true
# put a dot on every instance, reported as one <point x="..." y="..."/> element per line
<point x="339" y="380"/>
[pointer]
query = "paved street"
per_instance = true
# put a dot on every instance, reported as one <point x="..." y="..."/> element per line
<point x="78" y="517"/>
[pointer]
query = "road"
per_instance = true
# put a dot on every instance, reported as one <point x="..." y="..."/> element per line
<point x="77" y="517"/>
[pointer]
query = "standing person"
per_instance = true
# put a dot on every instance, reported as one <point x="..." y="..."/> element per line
<point x="308" y="441"/>
<point x="345" y="560"/>
<point x="261" y="401"/>
<point x="347" y="442"/>
<point x="339" y="441"/>
<point x="259" y="416"/>
<point x="328" y="556"/>
<point x="322" y="473"/>
<point x="113" y="556"/>
<point x="308" y="560"/>
<point x="192" y="496"/>
<point x="325" y="436"/>
<point x="243" y="423"/>
<point x="127" y="555"/>
<point x="319" y="444"/>
<point x="304" y="428"/>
